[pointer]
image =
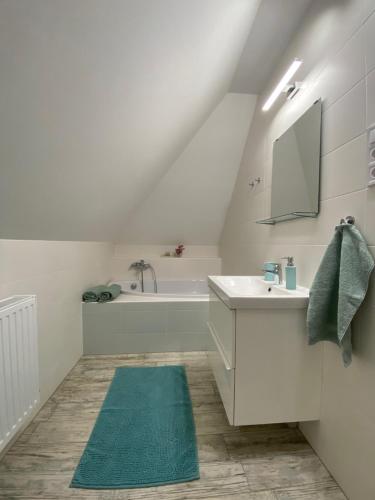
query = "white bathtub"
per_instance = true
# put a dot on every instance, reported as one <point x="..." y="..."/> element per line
<point x="175" y="319"/>
<point x="195" y="289"/>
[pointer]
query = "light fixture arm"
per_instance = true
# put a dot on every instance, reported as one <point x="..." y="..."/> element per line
<point x="282" y="84"/>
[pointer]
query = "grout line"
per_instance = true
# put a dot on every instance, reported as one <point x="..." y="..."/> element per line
<point x="345" y="144"/>
<point x="367" y="17"/>
<point x="358" y="82"/>
<point x="363" y="190"/>
<point x="343" y="194"/>
<point x="294" y="245"/>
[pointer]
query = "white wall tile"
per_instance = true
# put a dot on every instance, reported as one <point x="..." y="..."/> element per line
<point x="187" y="342"/>
<point x="57" y="272"/>
<point x="149" y="251"/>
<point x="319" y="231"/>
<point x="185" y="321"/>
<point x="369" y="8"/>
<point x="124" y="344"/>
<point x="370" y="82"/>
<point x="333" y="63"/>
<point x="370" y="216"/>
<point x="307" y="259"/>
<point x="343" y="70"/>
<point x="345" y="119"/>
<point x="369" y="33"/>
<point x="119" y="320"/>
<point x="169" y="268"/>
<point x="344" y="170"/>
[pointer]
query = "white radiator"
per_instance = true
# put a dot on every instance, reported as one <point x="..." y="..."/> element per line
<point x="19" y="380"/>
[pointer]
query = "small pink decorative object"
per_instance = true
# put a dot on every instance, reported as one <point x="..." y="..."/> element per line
<point x="179" y="250"/>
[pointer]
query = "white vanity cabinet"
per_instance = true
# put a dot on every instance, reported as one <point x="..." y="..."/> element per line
<point x="264" y="368"/>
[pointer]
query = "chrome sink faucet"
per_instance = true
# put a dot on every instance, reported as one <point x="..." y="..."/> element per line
<point x="277" y="272"/>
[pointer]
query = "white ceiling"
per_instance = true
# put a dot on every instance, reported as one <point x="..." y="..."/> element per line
<point x="190" y="201"/>
<point x="275" y="23"/>
<point x="100" y="97"/>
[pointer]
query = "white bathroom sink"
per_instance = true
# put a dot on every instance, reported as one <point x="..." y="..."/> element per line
<point x="249" y="292"/>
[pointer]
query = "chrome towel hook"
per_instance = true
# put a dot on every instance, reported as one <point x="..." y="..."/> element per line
<point x="255" y="182"/>
<point x="348" y="221"/>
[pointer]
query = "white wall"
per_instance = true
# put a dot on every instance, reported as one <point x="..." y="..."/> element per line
<point x="337" y="44"/>
<point x="57" y="272"/>
<point x="98" y="98"/>
<point x="190" y="201"/>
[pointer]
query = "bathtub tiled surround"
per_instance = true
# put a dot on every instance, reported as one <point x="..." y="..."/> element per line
<point x="172" y="288"/>
<point x="336" y="42"/>
<point x="197" y="262"/>
<point x="134" y="326"/>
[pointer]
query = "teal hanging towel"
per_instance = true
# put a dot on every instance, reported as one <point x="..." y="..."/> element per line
<point x="144" y="434"/>
<point x="339" y="288"/>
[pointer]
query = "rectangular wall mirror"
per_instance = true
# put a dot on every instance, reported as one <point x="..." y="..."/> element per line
<point x="296" y="169"/>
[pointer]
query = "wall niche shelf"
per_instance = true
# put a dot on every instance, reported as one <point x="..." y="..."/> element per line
<point x="283" y="218"/>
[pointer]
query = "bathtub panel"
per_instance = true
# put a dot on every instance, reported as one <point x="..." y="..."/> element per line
<point x="186" y="342"/>
<point x="99" y="343"/>
<point x="123" y="320"/>
<point x="135" y="327"/>
<point x="185" y="321"/>
<point x="144" y="321"/>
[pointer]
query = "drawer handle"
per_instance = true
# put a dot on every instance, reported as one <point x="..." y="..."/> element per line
<point x="218" y="346"/>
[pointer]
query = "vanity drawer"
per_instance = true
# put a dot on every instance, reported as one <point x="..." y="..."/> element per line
<point x="222" y="322"/>
<point x="224" y="376"/>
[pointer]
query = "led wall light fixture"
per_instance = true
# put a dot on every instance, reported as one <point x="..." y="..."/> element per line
<point x="284" y="85"/>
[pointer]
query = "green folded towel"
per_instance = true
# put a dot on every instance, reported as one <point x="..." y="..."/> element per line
<point x="101" y="293"/>
<point x="339" y="287"/>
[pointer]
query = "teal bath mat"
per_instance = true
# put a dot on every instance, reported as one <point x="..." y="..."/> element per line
<point x="144" y="434"/>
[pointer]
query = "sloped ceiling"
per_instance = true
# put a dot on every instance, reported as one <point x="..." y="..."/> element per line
<point x="190" y="201"/>
<point x="275" y="23"/>
<point x="97" y="100"/>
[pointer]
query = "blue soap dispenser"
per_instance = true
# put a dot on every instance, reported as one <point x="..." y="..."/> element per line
<point x="290" y="274"/>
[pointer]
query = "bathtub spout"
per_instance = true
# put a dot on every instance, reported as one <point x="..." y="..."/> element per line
<point x="154" y="278"/>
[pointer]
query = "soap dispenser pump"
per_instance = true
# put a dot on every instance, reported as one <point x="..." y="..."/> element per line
<point x="290" y="274"/>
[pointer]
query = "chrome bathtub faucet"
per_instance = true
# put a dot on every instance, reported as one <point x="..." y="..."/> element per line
<point x="140" y="266"/>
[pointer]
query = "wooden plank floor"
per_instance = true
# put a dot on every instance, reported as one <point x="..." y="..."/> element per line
<point x="272" y="462"/>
